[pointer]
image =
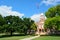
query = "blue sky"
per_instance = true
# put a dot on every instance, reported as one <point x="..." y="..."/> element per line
<point x="27" y="8"/>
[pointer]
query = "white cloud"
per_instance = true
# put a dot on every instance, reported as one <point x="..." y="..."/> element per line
<point x="50" y="2"/>
<point x="36" y="17"/>
<point x="7" y="10"/>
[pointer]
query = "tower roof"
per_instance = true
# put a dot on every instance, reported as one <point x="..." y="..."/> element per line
<point x="41" y="14"/>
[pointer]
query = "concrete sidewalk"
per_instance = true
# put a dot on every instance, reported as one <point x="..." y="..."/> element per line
<point x="30" y="38"/>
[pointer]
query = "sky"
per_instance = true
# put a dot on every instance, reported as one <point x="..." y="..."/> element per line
<point x="26" y="8"/>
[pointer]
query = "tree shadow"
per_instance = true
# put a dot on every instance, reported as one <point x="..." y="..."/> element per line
<point x="52" y="35"/>
<point x="55" y="35"/>
<point x="3" y="36"/>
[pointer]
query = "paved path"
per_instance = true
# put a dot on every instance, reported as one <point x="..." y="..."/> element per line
<point x="30" y="38"/>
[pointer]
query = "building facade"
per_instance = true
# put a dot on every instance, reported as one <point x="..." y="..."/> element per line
<point x="40" y="24"/>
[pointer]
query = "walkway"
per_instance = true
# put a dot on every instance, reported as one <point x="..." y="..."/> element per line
<point x="30" y="38"/>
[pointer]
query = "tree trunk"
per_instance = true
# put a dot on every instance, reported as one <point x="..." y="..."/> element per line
<point x="11" y="33"/>
<point x="29" y="31"/>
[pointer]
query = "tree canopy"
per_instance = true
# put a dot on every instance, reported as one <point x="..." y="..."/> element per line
<point x="53" y="23"/>
<point x="53" y="18"/>
<point x="53" y="11"/>
<point x="11" y="24"/>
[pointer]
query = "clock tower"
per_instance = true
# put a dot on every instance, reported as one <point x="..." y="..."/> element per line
<point x="40" y="24"/>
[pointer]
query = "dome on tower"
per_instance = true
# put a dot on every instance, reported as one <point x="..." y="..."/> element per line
<point x="41" y="14"/>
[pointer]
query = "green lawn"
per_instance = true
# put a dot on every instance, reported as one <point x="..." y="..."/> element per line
<point x="48" y="38"/>
<point x="14" y="38"/>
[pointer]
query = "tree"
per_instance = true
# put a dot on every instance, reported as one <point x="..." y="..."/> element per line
<point x="53" y="11"/>
<point x="12" y="24"/>
<point x="53" y="23"/>
<point x="53" y="18"/>
<point x="2" y="22"/>
<point x="28" y="25"/>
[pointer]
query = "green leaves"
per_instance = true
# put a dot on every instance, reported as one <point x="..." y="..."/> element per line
<point x="10" y="24"/>
<point x="53" y="18"/>
<point x="53" y="22"/>
<point x="53" y="11"/>
<point x="28" y="24"/>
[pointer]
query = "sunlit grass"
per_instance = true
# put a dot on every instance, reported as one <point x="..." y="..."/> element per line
<point x="48" y="38"/>
<point x="14" y="38"/>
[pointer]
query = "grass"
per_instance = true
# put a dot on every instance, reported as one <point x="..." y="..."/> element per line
<point x="18" y="37"/>
<point x="48" y="38"/>
<point x="13" y="37"/>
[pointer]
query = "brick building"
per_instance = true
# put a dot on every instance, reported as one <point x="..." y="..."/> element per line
<point x="40" y="24"/>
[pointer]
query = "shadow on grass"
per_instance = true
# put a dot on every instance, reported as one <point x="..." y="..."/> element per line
<point x="52" y="35"/>
<point x="3" y="36"/>
<point x="55" y="35"/>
